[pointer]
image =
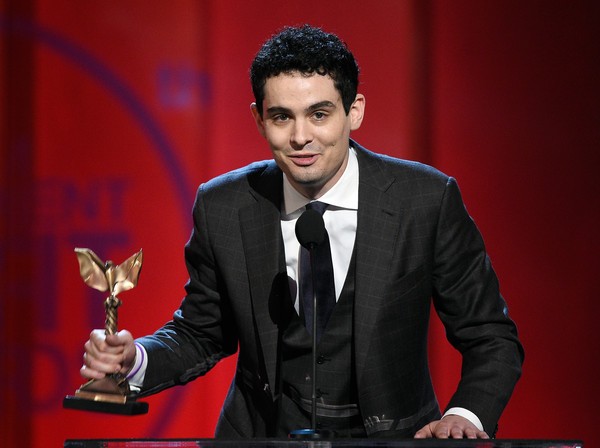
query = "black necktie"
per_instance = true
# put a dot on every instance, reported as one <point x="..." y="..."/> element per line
<point x="323" y="276"/>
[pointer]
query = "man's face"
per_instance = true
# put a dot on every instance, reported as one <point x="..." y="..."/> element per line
<point x="308" y="131"/>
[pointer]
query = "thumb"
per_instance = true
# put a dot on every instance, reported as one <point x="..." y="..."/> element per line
<point x="123" y="338"/>
<point x="426" y="432"/>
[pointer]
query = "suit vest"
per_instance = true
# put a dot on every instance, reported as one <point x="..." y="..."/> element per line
<point x="337" y="407"/>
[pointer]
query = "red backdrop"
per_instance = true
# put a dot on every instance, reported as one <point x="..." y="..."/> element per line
<point x="113" y="112"/>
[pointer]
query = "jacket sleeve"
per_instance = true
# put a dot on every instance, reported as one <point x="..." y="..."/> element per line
<point x="200" y="333"/>
<point x="468" y="301"/>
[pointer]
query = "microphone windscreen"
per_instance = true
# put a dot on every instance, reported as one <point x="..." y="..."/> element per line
<point x="310" y="229"/>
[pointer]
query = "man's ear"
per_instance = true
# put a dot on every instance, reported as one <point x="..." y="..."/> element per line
<point x="357" y="112"/>
<point x="258" y="119"/>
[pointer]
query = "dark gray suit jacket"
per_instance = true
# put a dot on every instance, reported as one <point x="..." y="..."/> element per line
<point x="415" y="241"/>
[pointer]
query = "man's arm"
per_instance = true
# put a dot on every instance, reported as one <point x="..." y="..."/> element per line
<point x="468" y="302"/>
<point x="199" y="335"/>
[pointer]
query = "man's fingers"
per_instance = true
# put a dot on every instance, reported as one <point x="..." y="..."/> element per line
<point x="470" y="433"/>
<point x="104" y="354"/>
<point x="105" y="363"/>
<point x="100" y="359"/>
<point x="107" y="354"/>
<point x="441" y="430"/>
<point x="90" y="373"/>
<point x="456" y="432"/>
<point x="474" y="433"/>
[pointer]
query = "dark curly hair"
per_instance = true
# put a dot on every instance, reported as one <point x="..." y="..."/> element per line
<point x="307" y="50"/>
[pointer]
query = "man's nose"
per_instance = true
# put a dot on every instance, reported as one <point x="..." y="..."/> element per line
<point x="301" y="134"/>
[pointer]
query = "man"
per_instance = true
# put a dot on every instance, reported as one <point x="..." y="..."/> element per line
<point x="399" y="236"/>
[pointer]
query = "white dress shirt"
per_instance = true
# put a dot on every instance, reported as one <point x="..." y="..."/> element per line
<point x="340" y="222"/>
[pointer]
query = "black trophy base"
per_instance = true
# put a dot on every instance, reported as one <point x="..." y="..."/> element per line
<point x="107" y="407"/>
<point x="312" y="434"/>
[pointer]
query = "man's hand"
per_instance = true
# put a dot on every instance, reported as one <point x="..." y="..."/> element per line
<point x="105" y="354"/>
<point x="451" y="426"/>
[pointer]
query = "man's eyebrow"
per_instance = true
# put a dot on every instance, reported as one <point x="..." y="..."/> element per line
<point x="274" y="110"/>
<point x="278" y="110"/>
<point x="320" y="105"/>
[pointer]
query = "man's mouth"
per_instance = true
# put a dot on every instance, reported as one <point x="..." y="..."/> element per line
<point x="304" y="160"/>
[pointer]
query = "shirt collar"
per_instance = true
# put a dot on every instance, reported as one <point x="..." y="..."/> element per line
<point x="344" y="194"/>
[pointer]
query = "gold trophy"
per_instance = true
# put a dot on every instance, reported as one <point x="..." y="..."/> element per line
<point x="110" y="394"/>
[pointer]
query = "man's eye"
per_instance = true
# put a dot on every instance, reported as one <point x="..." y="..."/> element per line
<point x="319" y="115"/>
<point x="280" y="117"/>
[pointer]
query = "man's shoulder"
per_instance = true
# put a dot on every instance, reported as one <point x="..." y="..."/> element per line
<point x="383" y="165"/>
<point x="242" y="177"/>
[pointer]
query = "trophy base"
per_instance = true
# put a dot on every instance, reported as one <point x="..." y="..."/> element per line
<point x="108" y="395"/>
<point x="107" y="407"/>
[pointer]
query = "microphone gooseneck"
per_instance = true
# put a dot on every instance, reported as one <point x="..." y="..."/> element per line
<point x="311" y="232"/>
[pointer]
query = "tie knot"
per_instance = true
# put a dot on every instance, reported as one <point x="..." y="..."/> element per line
<point x="318" y="206"/>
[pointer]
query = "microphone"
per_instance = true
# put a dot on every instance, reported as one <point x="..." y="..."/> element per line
<point x="310" y="231"/>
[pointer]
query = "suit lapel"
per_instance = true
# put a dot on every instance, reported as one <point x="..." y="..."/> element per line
<point x="377" y="232"/>
<point x="265" y="262"/>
